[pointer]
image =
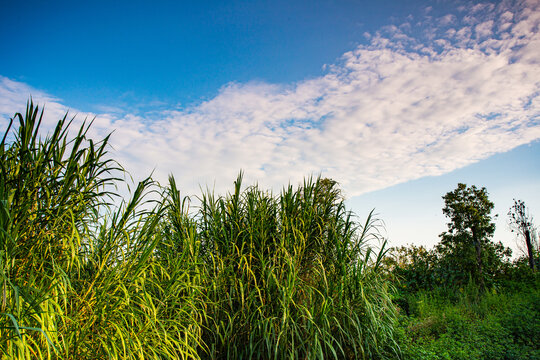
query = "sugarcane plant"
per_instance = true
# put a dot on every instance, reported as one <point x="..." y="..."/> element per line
<point x="250" y="274"/>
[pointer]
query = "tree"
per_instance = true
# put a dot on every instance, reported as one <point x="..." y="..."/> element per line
<point x="522" y="223"/>
<point x="413" y="266"/>
<point x="470" y="226"/>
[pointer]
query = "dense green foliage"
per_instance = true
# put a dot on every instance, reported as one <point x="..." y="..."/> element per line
<point x="503" y="324"/>
<point x="465" y="253"/>
<point x="466" y="247"/>
<point x="245" y="275"/>
<point x="455" y="320"/>
<point x="451" y="308"/>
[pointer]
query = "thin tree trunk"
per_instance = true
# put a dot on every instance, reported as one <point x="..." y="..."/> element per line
<point x="478" y="247"/>
<point x="529" y="248"/>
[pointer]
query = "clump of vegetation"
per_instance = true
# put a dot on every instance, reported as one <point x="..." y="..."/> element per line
<point x="464" y="299"/>
<point x="498" y="325"/>
<point x="246" y="275"/>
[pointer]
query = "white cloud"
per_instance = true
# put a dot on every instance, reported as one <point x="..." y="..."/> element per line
<point x="397" y="109"/>
<point x="484" y="29"/>
<point x="448" y="19"/>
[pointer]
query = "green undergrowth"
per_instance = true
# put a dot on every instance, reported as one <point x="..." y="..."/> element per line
<point x="503" y="324"/>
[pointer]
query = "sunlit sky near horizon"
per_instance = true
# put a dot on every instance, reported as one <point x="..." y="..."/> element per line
<point x="396" y="100"/>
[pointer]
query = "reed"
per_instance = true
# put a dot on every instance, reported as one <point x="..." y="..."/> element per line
<point x="246" y="275"/>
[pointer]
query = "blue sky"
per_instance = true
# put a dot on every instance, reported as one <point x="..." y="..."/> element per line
<point x="396" y="100"/>
<point x="174" y="51"/>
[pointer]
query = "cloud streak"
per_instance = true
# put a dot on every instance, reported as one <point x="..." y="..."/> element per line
<point x="421" y="99"/>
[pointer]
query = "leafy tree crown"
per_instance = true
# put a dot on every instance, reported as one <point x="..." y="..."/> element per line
<point x="469" y="211"/>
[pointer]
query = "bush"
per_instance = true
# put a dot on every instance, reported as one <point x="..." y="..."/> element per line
<point x="494" y="326"/>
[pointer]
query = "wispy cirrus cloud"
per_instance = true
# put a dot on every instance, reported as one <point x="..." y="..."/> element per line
<point x="421" y="99"/>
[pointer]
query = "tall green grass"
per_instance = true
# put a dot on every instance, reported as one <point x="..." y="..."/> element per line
<point x="245" y="275"/>
<point x="496" y="326"/>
